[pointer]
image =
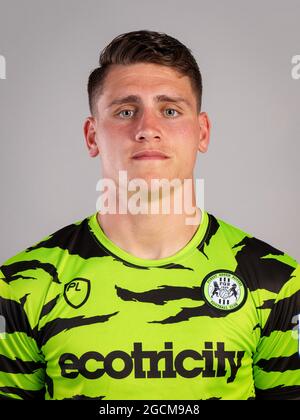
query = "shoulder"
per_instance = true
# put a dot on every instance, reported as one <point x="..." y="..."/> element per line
<point x="35" y="275"/>
<point x="263" y="264"/>
<point x="40" y="260"/>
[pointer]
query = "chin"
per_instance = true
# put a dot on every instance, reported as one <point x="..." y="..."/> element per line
<point x="152" y="174"/>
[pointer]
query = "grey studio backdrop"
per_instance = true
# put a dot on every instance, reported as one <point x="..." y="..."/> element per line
<point x="244" y="50"/>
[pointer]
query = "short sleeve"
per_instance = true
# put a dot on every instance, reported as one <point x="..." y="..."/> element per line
<point x="21" y="362"/>
<point x="276" y="363"/>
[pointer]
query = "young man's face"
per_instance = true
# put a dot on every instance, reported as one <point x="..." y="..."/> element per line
<point x="120" y="130"/>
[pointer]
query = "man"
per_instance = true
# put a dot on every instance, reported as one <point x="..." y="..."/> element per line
<point x="127" y="305"/>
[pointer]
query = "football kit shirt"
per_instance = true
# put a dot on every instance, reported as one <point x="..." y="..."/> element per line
<point x="83" y="319"/>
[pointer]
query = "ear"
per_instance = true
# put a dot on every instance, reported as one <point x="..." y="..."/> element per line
<point x="89" y="129"/>
<point x="204" y="133"/>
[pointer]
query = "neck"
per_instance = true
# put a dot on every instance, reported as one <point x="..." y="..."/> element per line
<point x="152" y="236"/>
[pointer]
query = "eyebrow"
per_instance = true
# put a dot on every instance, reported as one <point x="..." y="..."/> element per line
<point x="159" y="98"/>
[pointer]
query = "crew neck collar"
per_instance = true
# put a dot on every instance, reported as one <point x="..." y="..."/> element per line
<point x="115" y="250"/>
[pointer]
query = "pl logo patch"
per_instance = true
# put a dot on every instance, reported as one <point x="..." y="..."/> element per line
<point x="224" y="290"/>
<point x="77" y="292"/>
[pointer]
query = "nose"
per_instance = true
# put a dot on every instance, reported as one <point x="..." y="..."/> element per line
<point x="147" y="127"/>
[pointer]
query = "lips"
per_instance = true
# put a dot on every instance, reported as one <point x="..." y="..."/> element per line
<point x="150" y="154"/>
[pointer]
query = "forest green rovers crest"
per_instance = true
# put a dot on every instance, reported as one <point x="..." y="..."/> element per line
<point x="224" y="290"/>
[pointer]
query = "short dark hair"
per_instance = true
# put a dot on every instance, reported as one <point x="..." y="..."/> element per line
<point x="145" y="46"/>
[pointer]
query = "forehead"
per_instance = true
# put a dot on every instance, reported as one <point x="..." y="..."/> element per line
<point x="146" y="77"/>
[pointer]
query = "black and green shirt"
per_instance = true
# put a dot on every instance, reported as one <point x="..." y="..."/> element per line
<point x="83" y="319"/>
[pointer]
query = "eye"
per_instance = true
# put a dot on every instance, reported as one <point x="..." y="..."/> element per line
<point x="170" y="114"/>
<point x="126" y="113"/>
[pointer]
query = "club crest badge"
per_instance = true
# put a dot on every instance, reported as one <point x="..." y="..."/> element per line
<point x="224" y="290"/>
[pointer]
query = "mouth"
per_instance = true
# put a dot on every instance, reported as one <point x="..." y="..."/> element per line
<point x="150" y="155"/>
